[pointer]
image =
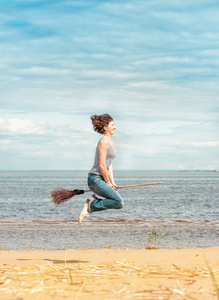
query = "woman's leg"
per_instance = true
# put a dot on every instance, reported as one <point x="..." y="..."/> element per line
<point x="112" y="200"/>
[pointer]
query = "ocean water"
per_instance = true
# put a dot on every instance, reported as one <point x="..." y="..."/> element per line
<point x="184" y="209"/>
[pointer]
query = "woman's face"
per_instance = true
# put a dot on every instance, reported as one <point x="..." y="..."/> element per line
<point x="110" y="128"/>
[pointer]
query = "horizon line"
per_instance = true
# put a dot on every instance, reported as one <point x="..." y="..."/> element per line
<point x="122" y="170"/>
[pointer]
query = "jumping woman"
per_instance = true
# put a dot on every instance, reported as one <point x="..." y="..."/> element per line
<point x="100" y="177"/>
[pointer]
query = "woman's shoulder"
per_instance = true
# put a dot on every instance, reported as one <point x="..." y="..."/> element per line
<point x="103" y="142"/>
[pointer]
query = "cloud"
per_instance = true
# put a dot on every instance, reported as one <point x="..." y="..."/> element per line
<point x="26" y="143"/>
<point x="19" y="126"/>
<point x="153" y="65"/>
<point x="29" y="144"/>
<point x="202" y="144"/>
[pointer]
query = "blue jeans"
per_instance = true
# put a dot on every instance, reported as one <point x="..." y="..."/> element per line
<point x="112" y="199"/>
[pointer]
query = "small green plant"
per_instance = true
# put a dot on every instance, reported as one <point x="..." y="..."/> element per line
<point x="153" y="241"/>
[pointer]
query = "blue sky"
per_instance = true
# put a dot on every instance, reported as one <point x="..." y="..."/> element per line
<point x="152" y="65"/>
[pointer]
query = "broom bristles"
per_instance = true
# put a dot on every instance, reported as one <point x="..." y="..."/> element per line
<point x="61" y="195"/>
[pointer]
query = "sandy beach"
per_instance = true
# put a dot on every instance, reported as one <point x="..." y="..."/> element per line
<point x="110" y="274"/>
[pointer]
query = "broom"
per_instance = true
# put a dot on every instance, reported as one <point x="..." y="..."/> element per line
<point x="61" y="195"/>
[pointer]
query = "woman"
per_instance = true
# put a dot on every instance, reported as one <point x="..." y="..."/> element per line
<point x="100" y="177"/>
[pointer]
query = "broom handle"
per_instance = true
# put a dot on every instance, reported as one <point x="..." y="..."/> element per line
<point x="142" y="184"/>
<point x="133" y="185"/>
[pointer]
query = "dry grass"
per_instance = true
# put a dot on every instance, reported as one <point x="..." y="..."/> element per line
<point x="213" y="278"/>
<point x="119" y="280"/>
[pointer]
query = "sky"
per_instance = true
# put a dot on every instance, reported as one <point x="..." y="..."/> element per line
<point x="152" y="65"/>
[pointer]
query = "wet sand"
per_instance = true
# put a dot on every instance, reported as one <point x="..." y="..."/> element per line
<point x="110" y="274"/>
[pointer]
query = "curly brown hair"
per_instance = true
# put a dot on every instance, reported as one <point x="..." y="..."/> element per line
<point x="99" y="121"/>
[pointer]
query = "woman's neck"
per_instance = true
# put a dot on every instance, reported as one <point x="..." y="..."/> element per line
<point x="107" y="135"/>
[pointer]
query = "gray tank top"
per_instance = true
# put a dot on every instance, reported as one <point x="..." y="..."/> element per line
<point x="109" y="157"/>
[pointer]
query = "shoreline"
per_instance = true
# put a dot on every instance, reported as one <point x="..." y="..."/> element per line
<point x="104" y="233"/>
<point x="109" y="273"/>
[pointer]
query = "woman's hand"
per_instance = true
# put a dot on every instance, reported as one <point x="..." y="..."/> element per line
<point x="113" y="185"/>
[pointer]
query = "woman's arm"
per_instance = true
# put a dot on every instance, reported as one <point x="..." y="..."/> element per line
<point x="103" y="147"/>
<point x="111" y="176"/>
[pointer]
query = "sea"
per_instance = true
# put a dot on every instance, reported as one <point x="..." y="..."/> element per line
<point x="182" y="212"/>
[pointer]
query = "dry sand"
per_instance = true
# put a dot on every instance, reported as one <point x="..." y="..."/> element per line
<point x="109" y="274"/>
